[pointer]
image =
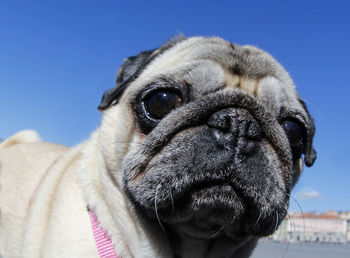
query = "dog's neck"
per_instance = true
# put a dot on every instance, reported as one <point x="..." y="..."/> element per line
<point x="113" y="210"/>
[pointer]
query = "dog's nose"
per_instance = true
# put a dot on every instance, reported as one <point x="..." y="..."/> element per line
<point x="235" y="128"/>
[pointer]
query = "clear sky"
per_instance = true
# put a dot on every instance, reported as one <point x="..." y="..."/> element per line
<point x="57" y="58"/>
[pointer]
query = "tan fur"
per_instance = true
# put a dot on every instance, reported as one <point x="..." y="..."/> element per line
<point x="231" y="80"/>
<point x="45" y="190"/>
<point x="246" y="84"/>
<point x="33" y="203"/>
<point x="25" y="136"/>
<point x="249" y="85"/>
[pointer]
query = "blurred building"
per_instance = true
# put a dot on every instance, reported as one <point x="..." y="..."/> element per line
<point x="330" y="227"/>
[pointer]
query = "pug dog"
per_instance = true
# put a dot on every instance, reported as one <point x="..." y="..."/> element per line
<point x="200" y="145"/>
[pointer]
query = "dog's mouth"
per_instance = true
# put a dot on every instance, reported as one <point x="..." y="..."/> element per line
<point x="213" y="208"/>
<point x="206" y="209"/>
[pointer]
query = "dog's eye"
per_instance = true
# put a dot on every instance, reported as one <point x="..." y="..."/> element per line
<point x="294" y="133"/>
<point x="161" y="103"/>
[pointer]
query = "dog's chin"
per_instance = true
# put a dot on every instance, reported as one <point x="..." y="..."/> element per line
<point x="208" y="212"/>
<point x="215" y="210"/>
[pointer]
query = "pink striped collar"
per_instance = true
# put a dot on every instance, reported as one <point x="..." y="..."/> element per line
<point x="103" y="242"/>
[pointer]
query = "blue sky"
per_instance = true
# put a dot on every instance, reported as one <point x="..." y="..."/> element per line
<point x="57" y="58"/>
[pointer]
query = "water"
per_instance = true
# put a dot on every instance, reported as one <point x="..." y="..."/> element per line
<point x="270" y="249"/>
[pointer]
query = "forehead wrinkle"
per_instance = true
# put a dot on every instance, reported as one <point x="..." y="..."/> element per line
<point x="245" y="83"/>
<point x="226" y="78"/>
<point x="205" y="76"/>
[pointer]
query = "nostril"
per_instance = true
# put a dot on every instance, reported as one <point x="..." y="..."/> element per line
<point x="219" y="121"/>
<point x="254" y="130"/>
<point x="236" y="130"/>
<point x="235" y="122"/>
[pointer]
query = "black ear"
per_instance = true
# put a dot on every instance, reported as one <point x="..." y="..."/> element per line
<point x="310" y="154"/>
<point x="131" y="69"/>
<point x="127" y="72"/>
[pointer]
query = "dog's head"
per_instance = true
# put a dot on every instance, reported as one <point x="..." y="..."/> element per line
<point x="207" y="137"/>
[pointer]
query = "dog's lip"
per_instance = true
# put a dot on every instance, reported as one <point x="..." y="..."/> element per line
<point x="208" y="196"/>
<point x="215" y="211"/>
<point x="214" y="207"/>
<point x="204" y="187"/>
<point x="218" y="185"/>
<point x="200" y="186"/>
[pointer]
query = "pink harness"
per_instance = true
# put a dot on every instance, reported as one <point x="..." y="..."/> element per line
<point x="103" y="242"/>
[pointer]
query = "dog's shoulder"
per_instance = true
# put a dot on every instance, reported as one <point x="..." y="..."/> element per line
<point x="24" y="151"/>
<point x="25" y="136"/>
<point x="24" y="161"/>
<point x="24" y="158"/>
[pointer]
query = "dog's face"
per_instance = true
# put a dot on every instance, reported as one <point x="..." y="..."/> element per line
<point x="207" y="137"/>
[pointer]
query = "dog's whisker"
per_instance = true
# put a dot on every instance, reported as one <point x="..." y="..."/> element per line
<point x="302" y="213"/>
<point x="233" y="219"/>
<point x="286" y="250"/>
<point x="172" y="201"/>
<point x="301" y="210"/>
<point x="277" y="221"/>
<point x="280" y="232"/>
<point x="156" y="209"/>
<point x="272" y="224"/>
<point x="292" y="226"/>
<point x="217" y="233"/>
<point x="257" y="221"/>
